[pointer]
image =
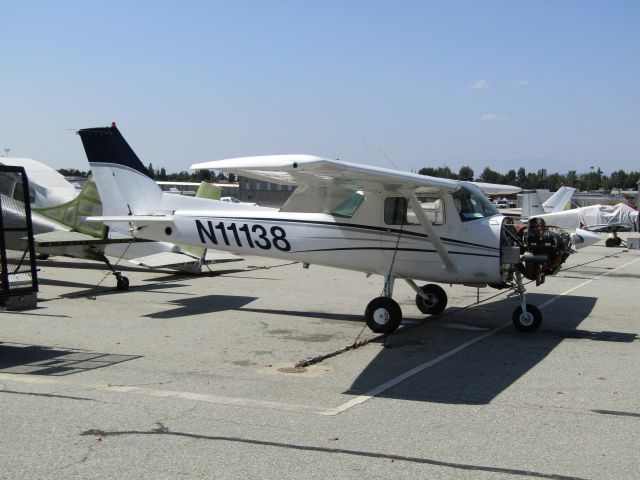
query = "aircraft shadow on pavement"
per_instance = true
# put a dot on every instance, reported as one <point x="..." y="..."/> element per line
<point x="92" y="265"/>
<point x="480" y="372"/>
<point x="319" y="315"/>
<point x="203" y="304"/>
<point x="172" y="275"/>
<point x="104" y="288"/>
<point x="42" y="360"/>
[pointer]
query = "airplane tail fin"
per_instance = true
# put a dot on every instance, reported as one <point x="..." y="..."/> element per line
<point x="124" y="183"/>
<point x="531" y="204"/>
<point x="207" y="190"/>
<point x="558" y="201"/>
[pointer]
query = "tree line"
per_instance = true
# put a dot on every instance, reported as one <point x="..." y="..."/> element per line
<point x="591" y="181"/>
<point x="161" y="174"/>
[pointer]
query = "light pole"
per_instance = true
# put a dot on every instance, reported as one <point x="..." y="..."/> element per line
<point x="6" y="152"/>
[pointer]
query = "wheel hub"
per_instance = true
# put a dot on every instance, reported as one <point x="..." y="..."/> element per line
<point x="381" y="316"/>
<point x="526" y="319"/>
<point x="430" y="300"/>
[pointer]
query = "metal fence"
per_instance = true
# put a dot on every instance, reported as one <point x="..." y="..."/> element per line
<point x="18" y="278"/>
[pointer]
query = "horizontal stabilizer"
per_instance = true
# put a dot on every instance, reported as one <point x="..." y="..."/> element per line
<point x="64" y="238"/>
<point x="131" y="218"/>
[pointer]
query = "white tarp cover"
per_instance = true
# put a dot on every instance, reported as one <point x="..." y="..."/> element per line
<point x="595" y="217"/>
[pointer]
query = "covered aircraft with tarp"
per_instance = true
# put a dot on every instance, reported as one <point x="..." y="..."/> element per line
<point x="597" y="218"/>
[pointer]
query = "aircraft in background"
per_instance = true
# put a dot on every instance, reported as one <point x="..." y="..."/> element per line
<point x="46" y="186"/>
<point x="190" y="188"/>
<point x="356" y="217"/>
<point x="59" y="229"/>
<point x="531" y="204"/>
<point x="610" y="219"/>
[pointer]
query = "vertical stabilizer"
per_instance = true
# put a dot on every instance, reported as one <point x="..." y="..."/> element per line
<point x="559" y="200"/>
<point x="124" y="183"/>
<point x="531" y="204"/>
<point x="207" y="190"/>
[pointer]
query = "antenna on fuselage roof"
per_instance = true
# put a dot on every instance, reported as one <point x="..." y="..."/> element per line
<point x="366" y="145"/>
<point x="389" y="159"/>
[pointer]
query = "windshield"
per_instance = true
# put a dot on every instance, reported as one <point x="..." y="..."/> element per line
<point x="472" y="204"/>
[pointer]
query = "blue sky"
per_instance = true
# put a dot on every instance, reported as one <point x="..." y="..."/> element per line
<point x="544" y="84"/>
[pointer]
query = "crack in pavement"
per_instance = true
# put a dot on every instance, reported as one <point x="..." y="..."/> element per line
<point x="162" y="429"/>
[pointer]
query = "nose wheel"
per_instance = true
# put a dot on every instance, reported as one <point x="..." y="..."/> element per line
<point x="383" y="315"/>
<point x="527" y="321"/>
<point x="432" y="299"/>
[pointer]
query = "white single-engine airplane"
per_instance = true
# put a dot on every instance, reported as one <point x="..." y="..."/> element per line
<point x="344" y="215"/>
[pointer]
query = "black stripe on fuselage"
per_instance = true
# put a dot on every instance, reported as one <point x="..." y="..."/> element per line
<point x="356" y="226"/>
<point x="390" y="249"/>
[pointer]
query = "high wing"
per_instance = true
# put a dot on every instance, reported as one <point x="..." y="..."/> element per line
<point x="320" y="180"/>
<point x="63" y="238"/>
<point x="308" y="170"/>
<point x="496" y="188"/>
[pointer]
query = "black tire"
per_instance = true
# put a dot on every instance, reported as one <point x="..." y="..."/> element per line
<point x="437" y="301"/>
<point x="529" y="322"/>
<point x="610" y="242"/>
<point x="618" y="241"/>
<point x="383" y="315"/>
<point x="123" y="284"/>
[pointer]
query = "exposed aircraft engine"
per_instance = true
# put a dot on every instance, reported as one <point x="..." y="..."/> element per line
<point x="542" y="249"/>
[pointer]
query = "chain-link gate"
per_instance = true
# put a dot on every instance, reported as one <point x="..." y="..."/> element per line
<point x="18" y="278"/>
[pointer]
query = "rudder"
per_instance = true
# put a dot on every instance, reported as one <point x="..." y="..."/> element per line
<point x="124" y="183"/>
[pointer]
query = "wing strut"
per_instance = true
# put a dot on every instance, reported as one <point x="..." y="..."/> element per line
<point x="433" y="236"/>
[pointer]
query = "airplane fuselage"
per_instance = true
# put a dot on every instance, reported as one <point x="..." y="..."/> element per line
<point x="323" y="239"/>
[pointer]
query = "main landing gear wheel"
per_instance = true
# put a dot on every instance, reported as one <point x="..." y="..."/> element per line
<point x="122" y="283"/>
<point x="529" y="321"/>
<point x="383" y="315"/>
<point x="613" y="242"/>
<point x="435" y="302"/>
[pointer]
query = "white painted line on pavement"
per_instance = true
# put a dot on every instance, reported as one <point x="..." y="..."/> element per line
<point x="410" y="373"/>
<point x="154" y="392"/>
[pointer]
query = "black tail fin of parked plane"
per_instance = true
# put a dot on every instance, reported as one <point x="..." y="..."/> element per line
<point x="124" y="184"/>
<point x="107" y="145"/>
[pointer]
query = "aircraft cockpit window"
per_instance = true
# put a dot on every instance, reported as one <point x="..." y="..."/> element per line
<point x="395" y="211"/>
<point x="348" y="208"/>
<point x="432" y="207"/>
<point x="472" y="204"/>
<point x="398" y="212"/>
